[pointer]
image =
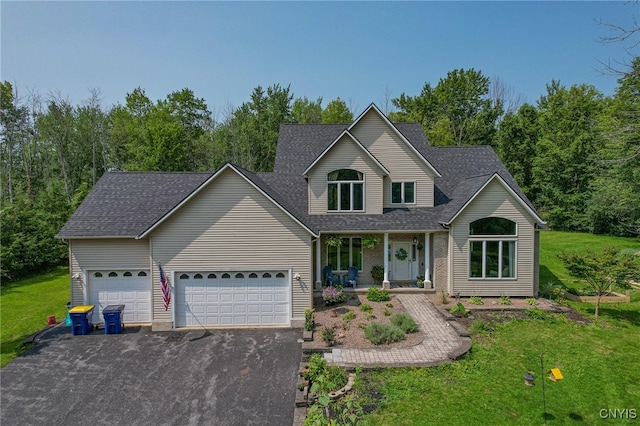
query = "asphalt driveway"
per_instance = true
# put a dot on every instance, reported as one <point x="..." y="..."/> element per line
<point x="217" y="377"/>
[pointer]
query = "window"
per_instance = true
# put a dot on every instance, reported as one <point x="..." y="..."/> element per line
<point x="225" y="275"/>
<point x="238" y="275"/>
<point x="349" y="253"/>
<point x="345" y="190"/>
<point x="266" y="275"/>
<point x="253" y="275"/>
<point x="492" y="226"/>
<point x="211" y="276"/>
<point x="197" y="277"/>
<point x="184" y="277"/>
<point x="98" y="275"/>
<point x="492" y="257"/>
<point x="279" y="275"/>
<point x="403" y="192"/>
<point x="113" y="274"/>
<point x="142" y="274"/>
<point x="126" y="274"/>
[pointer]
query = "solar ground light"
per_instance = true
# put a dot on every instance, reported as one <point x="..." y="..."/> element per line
<point x="554" y="375"/>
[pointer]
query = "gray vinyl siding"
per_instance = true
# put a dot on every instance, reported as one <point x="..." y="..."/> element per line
<point x="230" y="225"/>
<point x="494" y="201"/>
<point x="345" y="154"/>
<point x="92" y="254"/>
<point x="403" y="163"/>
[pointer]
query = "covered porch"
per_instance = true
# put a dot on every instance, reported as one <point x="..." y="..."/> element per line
<point x="397" y="261"/>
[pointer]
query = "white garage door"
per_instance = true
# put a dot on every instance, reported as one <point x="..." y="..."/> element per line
<point x="232" y="298"/>
<point x="129" y="288"/>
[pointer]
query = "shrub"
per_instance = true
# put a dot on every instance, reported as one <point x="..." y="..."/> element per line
<point x="377" y="273"/>
<point x="349" y="316"/>
<point x="378" y="295"/>
<point x="505" y="300"/>
<point x="459" y="310"/>
<point x="308" y="319"/>
<point x="389" y="305"/>
<point x="476" y="300"/>
<point x="327" y="334"/>
<point x="405" y="323"/>
<point x="333" y="295"/>
<point x="366" y="308"/>
<point x="383" y="334"/>
<point x="386" y="312"/>
<point x="531" y="301"/>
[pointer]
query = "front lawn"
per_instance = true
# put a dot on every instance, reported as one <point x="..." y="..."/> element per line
<point x="599" y="362"/>
<point x="25" y="305"/>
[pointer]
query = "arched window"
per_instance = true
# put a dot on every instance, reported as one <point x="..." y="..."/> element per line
<point x="184" y="277"/>
<point x="266" y="275"/>
<point x="253" y="275"/>
<point x="142" y="274"/>
<point x="225" y="275"/>
<point x="492" y="226"/>
<point x="126" y="274"/>
<point x="345" y="190"/>
<point x="98" y="275"/>
<point x="279" y="275"/>
<point x="239" y="275"/>
<point x="113" y="274"/>
<point x="491" y="255"/>
<point x="211" y="276"/>
<point x="197" y="277"/>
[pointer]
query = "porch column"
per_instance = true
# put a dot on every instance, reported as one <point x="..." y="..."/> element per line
<point x="318" y="265"/>
<point x="427" y="264"/>
<point x="385" y="282"/>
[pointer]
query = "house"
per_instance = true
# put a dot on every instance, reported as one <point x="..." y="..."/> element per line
<point x="243" y="248"/>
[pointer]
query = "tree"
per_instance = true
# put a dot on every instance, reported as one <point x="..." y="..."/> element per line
<point x="563" y="168"/>
<point x="305" y="111"/>
<point x="517" y="138"/>
<point x="337" y="112"/>
<point x="458" y="111"/>
<point x="603" y="271"/>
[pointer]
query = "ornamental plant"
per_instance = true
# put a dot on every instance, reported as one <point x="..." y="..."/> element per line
<point x="378" y="294"/>
<point x="333" y="295"/>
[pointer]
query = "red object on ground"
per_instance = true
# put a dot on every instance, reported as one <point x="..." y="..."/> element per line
<point x="51" y="320"/>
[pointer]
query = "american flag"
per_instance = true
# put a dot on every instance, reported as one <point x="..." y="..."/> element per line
<point x="166" y="289"/>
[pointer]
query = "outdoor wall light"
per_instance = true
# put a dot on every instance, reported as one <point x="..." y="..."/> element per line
<point x="415" y="240"/>
<point x="297" y="276"/>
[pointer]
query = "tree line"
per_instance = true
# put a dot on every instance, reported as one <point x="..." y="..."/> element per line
<point x="575" y="153"/>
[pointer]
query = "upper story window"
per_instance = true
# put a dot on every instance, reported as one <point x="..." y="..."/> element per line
<point x="403" y="192"/>
<point x="345" y="190"/>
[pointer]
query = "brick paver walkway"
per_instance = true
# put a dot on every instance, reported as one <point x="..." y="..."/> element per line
<point x="441" y="343"/>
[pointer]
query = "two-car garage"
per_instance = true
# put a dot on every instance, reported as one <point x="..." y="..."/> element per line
<point x="232" y="298"/>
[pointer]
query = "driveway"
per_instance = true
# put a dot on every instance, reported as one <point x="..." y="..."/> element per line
<point x="217" y="377"/>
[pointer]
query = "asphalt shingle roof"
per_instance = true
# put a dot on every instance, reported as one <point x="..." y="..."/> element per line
<point x="127" y="204"/>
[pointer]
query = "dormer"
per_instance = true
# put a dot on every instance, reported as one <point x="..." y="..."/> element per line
<point x="346" y="179"/>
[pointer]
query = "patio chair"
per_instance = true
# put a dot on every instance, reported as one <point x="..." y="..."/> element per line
<point x="352" y="276"/>
<point x="329" y="277"/>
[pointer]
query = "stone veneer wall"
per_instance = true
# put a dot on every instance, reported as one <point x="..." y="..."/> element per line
<point x="440" y="260"/>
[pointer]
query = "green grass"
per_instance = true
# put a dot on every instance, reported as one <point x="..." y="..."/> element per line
<point x="552" y="243"/>
<point x="599" y="362"/>
<point x="25" y="305"/>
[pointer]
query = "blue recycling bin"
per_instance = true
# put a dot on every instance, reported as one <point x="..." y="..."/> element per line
<point x="81" y="319"/>
<point x="113" y="319"/>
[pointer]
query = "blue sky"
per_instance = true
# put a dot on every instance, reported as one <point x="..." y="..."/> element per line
<point x="355" y="50"/>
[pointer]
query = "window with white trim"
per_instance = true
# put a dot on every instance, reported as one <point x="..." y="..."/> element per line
<point x="403" y="192"/>
<point x="491" y="255"/>
<point x="349" y="253"/>
<point x="345" y="190"/>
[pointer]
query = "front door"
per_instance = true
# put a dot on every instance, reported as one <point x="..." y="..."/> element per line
<point x="401" y="267"/>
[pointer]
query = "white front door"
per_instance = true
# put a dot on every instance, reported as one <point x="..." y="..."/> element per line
<point x="401" y="267"/>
